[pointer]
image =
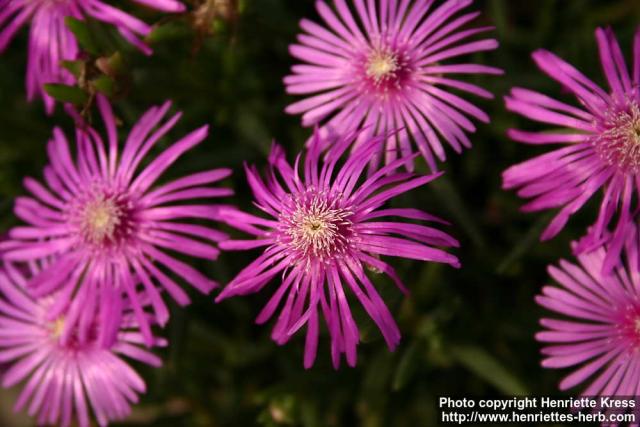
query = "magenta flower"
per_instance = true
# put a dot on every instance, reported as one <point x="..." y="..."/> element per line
<point x="600" y="139"/>
<point x="385" y="72"/>
<point x="323" y="231"/>
<point x="600" y="335"/>
<point x="66" y="380"/>
<point x="51" y="42"/>
<point x="108" y="229"/>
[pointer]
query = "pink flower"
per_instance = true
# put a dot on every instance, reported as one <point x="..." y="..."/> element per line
<point x="51" y="42"/>
<point x="323" y="229"/>
<point x="383" y="70"/>
<point x="599" y="141"/>
<point x="66" y="380"/>
<point x="599" y="335"/>
<point x="108" y="229"/>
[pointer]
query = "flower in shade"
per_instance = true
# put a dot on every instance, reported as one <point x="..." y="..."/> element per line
<point x="108" y="228"/>
<point x="383" y="69"/>
<point x="51" y="42"/>
<point x="322" y="231"/>
<point x="66" y="381"/>
<point x="599" y="334"/>
<point x="599" y="146"/>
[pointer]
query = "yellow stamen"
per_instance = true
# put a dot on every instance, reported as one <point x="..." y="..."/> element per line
<point x="382" y="65"/>
<point x="100" y="220"/>
<point x="57" y="328"/>
<point x="318" y="229"/>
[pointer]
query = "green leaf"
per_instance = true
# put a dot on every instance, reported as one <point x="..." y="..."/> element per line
<point x="64" y="93"/>
<point x="104" y="84"/>
<point x="83" y="34"/>
<point x="525" y="243"/>
<point x="309" y="416"/>
<point x="489" y="369"/>
<point x="115" y="64"/>
<point x="218" y="26"/>
<point x="500" y="14"/>
<point x="378" y="375"/>
<point x="167" y="31"/>
<point x="112" y="65"/>
<point x="75" y="67"/>
<point x="407" y="366"/>
<point x="451" y="198"/>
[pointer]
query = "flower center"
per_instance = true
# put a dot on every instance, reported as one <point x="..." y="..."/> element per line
<point x="57" y="327"/>
<point x="629" y="327"/>
<point x="74" y="341"/>
<point x="384" y="69"/>
<point x="102" y="218"/>
<point x="382" y="65"/>
<point x="317" y="230"/>
<point x="316" y="226"/>
<point x="619" y="143"/>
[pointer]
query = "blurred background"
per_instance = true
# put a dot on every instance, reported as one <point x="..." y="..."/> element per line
<point x="465" y="332"/>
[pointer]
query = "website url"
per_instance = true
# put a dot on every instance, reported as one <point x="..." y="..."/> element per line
<point x="452" y="417"/>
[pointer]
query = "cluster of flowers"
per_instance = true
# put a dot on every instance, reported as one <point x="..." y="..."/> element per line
<point x="600" y="149"/>
<point x="82" y="283"/>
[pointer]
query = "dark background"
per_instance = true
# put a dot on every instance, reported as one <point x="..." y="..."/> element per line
<point x="465" y="332"/>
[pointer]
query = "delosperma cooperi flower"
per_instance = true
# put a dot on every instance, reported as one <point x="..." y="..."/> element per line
<point x="107" y="227"/>
<point x="51" y="42"/>
<point x="600" y="146"/>
<point x="384" y="70"/>
<point x="66" y="381"/>
<point x="322" y="231"/>
<point x="599" y="334"/>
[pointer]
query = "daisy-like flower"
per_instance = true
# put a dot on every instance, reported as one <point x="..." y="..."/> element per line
<point x="383" y="70"/>
<point x="600" y="145"/>
<point x="599" y="334"/>
<point x="51" y="42"/>
<point x="66" y="381"/>
<point x="323" y="231"/>
<point x="108" y="228"/>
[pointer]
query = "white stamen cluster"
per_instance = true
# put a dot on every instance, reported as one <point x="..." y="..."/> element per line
<point x="100" y="219"/>
<point x="383" y="71"/>
<point x="382" y="65"/>
<point x="317" y="226"/>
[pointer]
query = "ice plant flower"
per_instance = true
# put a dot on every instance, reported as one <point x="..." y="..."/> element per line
<point x="108" y="228"/>
<point x="51" y="42"/>
<point x="322" y="231"/>
<point x="384" y="70"/>
<point x="66" y="381"/>
<point x="598" y="335"/>
<point x="600" y="145"/>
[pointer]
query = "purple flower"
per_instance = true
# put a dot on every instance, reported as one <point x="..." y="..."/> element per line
<point x="600" y="145"/>
<point x="385" y="72"/>
<point x="66" y="380"/>
<point x="599" y="335"/>
<point x="108" y="229"/>
<point x="51" y="42"/>
<point x="324" y="229"/>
